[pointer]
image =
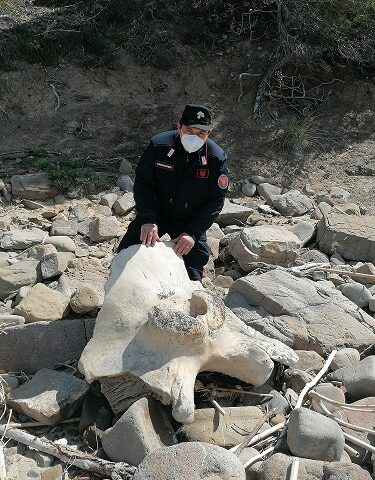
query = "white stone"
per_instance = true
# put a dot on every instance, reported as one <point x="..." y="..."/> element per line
<point x="42" y="304"/>
<point x="16" y="239"/>
<point x="233" y="214"/>
<point x="108" y="199"/>
<point x="61" y="243"/>
<point x="85" y="299"/>
<point x="104" y="228"/>
<point x="124" y="204"/>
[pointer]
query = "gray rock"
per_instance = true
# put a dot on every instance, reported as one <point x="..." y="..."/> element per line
<point x="108" y="199"/>
<point x="277" y="467"/>
<point x="233" y="214"/>
<point x="43" y="304"/>
<point x="265" y="190"/>
<point x="357" y="293"/>
<point x="308" y="361"/>
<point x="249" y="189"/>
<point x="53" y="264"/>
<point x="258" y="179"/>
<point x="352" y="236"/>
<point x="13" y="277"/>
<point x="104" y="228"/>
<point x="124" y="204"/>
<point x="336" y="259"/>
<point x="346" y="357"/>
<point x="49" y="397"/>
<point x="349" y="208"/>
<point x="214" y="246"/>
<point x="215" y="232"/>
<point x="31" y="205"/>
<point x="291" y="309"/>
<point x="334" y="196"/>
<point x="64" y="228"/>
<point x="305" y="231"/>
<point x="211" y="428"/>
<point x="308" y="190"/>
<point x="277" y="403"/>
<point x="9" y="382"/>
<point x="191" y="461"/>
<point x="325" y="208"/>
<point x="329" y="391"/>
<point x="359" y="379"/>
<point x="39" y="251"/>
<point x="371" y="304"/>
<point x="44" y="344"/>
<point x="7" y="321"/>
<point x="85" y="299"/>
<point x="296" y="379"/>
<point x="20" y="239"/>
<point x="312" y="435"/>
<point x="61" y="243"/>
<point x="318" y="275"/>
<point x="223" y="281"/>
<point x="266" y="243"/>
<point x="311" y="255"/>
<point x="33" y="186"/>
<point x="145" y="427"/>
<point x="20" y="467"/>
<point x="292" y="203"/>
<point x="125" y="167"/>
<point x="125" y="183"/>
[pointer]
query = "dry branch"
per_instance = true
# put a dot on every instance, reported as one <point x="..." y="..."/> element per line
<point x="252" y="434"/>
<point x="84" y="461"/>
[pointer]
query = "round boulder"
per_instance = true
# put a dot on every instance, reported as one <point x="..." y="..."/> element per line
<point x="85" y="299"/>
<point x="191" y="461"/>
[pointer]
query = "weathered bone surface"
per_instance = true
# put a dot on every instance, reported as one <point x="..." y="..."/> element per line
<point x="157" y="330"/>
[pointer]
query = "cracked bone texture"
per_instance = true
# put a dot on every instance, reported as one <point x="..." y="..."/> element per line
<point x="351" y="236"/>
<point x="162" y="331"/>
<point x="303" y="314"/>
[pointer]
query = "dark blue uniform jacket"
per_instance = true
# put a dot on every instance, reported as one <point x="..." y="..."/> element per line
<point x="181" y="187"/>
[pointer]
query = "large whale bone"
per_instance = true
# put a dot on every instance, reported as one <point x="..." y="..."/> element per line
<point x="157" y="327"/>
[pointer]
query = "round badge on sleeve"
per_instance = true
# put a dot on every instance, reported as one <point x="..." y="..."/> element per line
<point x="223" y="181"/>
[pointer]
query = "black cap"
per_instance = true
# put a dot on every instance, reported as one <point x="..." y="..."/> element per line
<point x="196" y="116"/>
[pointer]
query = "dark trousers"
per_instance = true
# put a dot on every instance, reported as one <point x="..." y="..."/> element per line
<point x="195" y="260"/>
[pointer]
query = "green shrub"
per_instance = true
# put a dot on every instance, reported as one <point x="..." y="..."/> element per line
<point x="67" y="174"/>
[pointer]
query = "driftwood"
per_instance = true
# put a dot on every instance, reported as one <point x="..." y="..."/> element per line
<point x="84" y="461"/>
<point x="359" y="277"/>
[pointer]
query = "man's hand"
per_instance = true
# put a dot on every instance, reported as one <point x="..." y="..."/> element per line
<point x="149" y="234"/>
<point x="184" y="243"/>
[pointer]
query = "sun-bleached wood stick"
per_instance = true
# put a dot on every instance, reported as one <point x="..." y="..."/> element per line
<point x="258" y="457"/>
<point x="342" y="422"/>
<point x="344" y="406"/>
<point x="90" y="463"/>
<point x="351" y="451"/>
<point x="359" y="442"/>
<point x="294" y="469"/>
<point x="261" y="436"/>
<point x="315" y="380"/>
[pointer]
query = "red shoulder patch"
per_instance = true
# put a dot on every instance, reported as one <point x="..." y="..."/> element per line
<point x="223" y="181"/>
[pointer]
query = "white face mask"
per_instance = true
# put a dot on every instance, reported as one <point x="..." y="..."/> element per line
<point x="191" y="143"/>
